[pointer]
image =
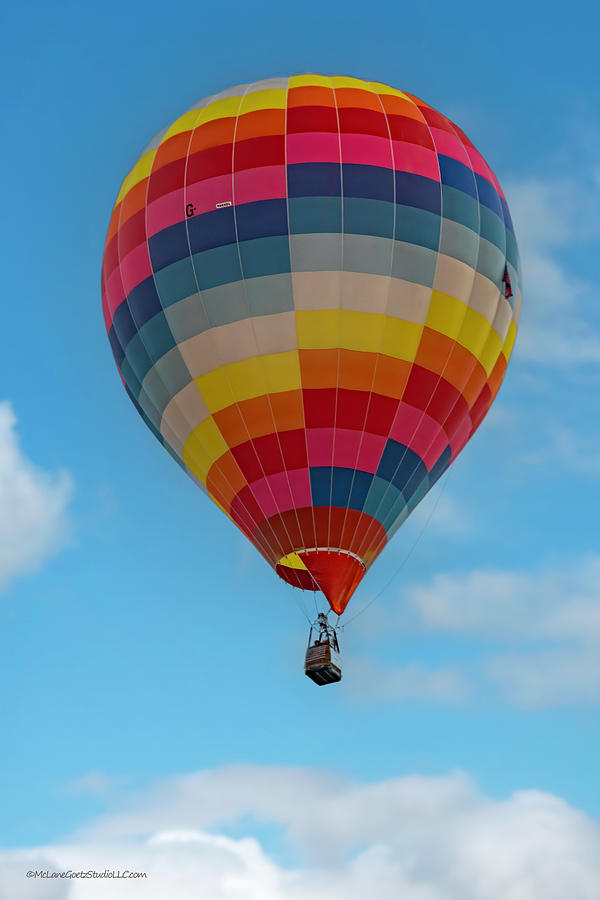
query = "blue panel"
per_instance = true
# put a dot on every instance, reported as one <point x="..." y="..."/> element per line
<point x="372" y="217"/>
<point x="416" y="190"/>
<point x="417" y="226"/>
<point x="506" y="214"/>
<point x="265" y="256"/>
<point x="314" y="180"/>
<point x="218" y="266"/>
<point x="488" y="195"/>
<point x="156" y="336"/>
<point x="132" y="382"/>
<point x="116" y="346"/>
<point x="315" y="215"/>
<point x="398" y="463"/>
<point x="168" y="246"/>
<point x="261" y="219"/>
<point x="457" y="175"/>
<point x="372" y="182"/>
<point x="176" y="282"/>
<point x="460" y="207"/>
<point x="440" y="466"/>
<point x="143" y="301"/>
<point x="320" y="485"/>
<point x="123" y="327"/>
<point x="211" y="229"/>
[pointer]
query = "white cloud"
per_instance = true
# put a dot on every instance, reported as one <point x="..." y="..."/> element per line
<point x="555" y="609"/>
<point x="369" y="682"/>
<point x="33" y="518"/>
<point x="423" y="838"/>
<point x="550" y="216"/>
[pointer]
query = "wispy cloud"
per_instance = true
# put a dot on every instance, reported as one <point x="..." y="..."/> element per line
<point x="33" y="506"/>
<point x="425" y="838"/>
<point x="553" y="216"/>
<point x="549" y="621"/>
<point x="367" y="681"/>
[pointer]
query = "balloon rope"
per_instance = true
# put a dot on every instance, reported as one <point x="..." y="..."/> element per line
<point x="404" y="561"/>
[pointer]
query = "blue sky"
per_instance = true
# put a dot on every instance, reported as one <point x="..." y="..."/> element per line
<point x="141" y="638"/>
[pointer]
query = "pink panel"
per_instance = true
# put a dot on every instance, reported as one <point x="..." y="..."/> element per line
<point x="351" y="449"/>
<point x="204" y="195"/>
<point x="366" y="150"/>
<point x="165" y="211"/>
<point x="418" y="160"/>
<point x="273" y="494"/>
<point x="461" y="436"/>
<point x="320" y="446"/>
<point x="420" y="432"/>
<point x="313" y="147"/>
<point x="114" y="290"/>
<point x="481" y="167"/>
<point x="449" y="145"/>
<point x="135" y="267"/>
<point x="263" y="183"/>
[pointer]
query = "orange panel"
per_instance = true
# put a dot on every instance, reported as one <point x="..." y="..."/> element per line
<point x="497" y="374"/>
<point x="230" y="422"/>
<point x="213" y="134"/>
<point x="398" y="106"/>
<point x="357" y="98"/>
<point x="288" y="410"/>
<point x="260" y="122"/>
<point x="225" y="477"/>
<point x="310" y="96"/>
<point x="391" y="376"/>
<point x="356" y="370"/>
<point x="134" y="200"/>
<point x="175" y="147"/>
<point x="318" y="368"/>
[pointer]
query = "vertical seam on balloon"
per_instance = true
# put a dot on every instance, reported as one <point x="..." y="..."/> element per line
<point x="184" y="416"/>
<point x="258" y="354"/>
<point x="338" y="317"/>
<point x="370" y="527"/>
<point x="272" y="547"/>
<point x="287" y="208"/>
<point x="383" y="325"/>
<point x="455" y="340"/>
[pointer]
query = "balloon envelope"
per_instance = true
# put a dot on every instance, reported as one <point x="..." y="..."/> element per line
<point x="311" y="289"/>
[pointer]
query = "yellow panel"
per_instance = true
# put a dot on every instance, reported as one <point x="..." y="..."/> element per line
<point x="342" y="81"/>
<point x="446" y="314"/>
<point x="292" y="561"/>
<point x="474" y="332"/>
<point x="351" y="330"/>
<point x="203" y="446"/>
<point x="140" y="170"/>
<point x="272" y="98"/>
<point x="490" y="352"/>
<point x="401" y="339"/>
<point x="386" y="89"/>
<point x="310" y="80"/>
<point x="250" y="378"/>
<point x="226" y="108"/>
<point x="510" y="340"/>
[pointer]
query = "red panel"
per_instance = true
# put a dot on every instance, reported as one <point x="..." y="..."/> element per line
<point x="299" y="578"/>
<point x="363" y="121"/>
<point x="337" y="574"/>
<point x="319" y="407"/>
<point x="246" y="458"/>
<point x="380" y="417"/>
<point x="351" y="409"/>
<point x="166" y="179"/>
<point x="132" y="233"/>
<point x="403" y="128"/>
<point x="260" y="151"/>
<point x="209" y="163"/>
<point x="309" y="119"/>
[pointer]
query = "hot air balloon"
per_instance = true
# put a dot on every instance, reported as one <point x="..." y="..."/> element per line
<point x="311" y="290"/>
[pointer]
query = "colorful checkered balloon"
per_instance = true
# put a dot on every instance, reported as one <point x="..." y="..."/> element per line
<point x="311" y="289"/>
